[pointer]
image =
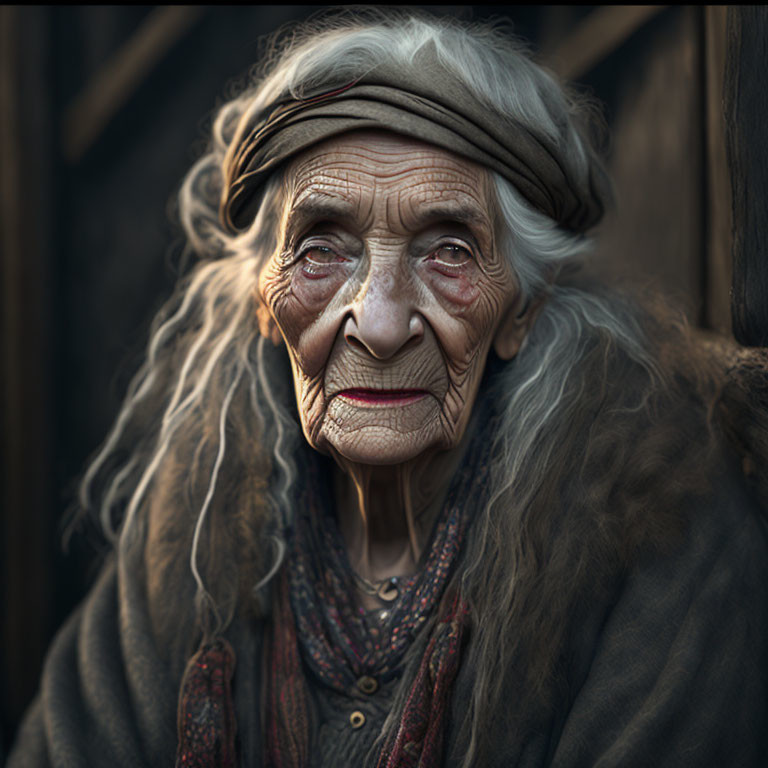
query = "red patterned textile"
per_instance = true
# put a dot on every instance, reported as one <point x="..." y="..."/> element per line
<point x="419" y="737"/>
<point x="287" y="731"/>
<point x="206" y="716"/>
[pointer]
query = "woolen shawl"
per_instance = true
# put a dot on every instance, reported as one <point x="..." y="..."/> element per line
<point x="670" y="671"/>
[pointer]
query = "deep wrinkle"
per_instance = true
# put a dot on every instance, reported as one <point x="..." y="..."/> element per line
<point x="382" y="546"/>
<point x="313" y="210"/>
<point x="388" y="287"/>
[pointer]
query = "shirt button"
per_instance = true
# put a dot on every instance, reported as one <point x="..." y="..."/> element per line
<point x="368" y="684"/>
<point x="357" y="719"/>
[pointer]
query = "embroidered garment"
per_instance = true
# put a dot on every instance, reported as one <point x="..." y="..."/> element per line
<point x="318" y="624"/>
<point x="206" y="721"/>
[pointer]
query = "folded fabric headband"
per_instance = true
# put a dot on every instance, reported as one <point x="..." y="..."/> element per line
<point x="426" y="102"/>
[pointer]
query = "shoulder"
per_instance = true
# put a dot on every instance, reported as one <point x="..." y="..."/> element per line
<point x="708" y="588"/>
<point x="106" y="696"/>
<point x="678" y="672"/>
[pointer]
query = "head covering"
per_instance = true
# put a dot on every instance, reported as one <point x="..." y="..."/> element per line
<point x="423" y="100"/>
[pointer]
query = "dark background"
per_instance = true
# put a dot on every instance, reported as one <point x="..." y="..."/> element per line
<point x="103" y="109"/>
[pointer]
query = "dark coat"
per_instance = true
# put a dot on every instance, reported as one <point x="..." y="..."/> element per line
<point x="671" y="669"/>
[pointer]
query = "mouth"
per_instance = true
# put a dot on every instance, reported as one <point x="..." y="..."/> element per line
<point x="383" y="396"/>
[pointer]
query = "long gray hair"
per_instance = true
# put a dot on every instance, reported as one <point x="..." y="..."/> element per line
<point x="200" y="461"/>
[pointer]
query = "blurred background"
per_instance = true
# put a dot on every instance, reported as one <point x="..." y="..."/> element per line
<point x="103" y="109"/>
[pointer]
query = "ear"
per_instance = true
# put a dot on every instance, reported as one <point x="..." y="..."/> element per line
<point x="515" y="325"/>
<point x="267" y="325"/>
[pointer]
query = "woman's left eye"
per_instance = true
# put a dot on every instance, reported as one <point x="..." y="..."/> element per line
<point x="451" y="255"/>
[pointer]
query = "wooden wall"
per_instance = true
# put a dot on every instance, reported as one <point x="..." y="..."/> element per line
<point x="659" y="70"/>
<point x="746" y="109"/>
<point x="27" y="527"/>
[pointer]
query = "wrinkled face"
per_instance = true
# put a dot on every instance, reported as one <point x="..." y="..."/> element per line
<point x="388" y="289"/>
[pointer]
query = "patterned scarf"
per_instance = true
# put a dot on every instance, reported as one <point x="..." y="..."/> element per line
<point x="317" y="623"/>
<point x="206" y="715"/>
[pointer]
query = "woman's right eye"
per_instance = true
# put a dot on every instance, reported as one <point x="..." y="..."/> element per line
<point x="319" y="261"/>
<point x="320" y="254"/>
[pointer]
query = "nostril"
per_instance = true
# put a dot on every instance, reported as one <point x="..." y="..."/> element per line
<point x="351" y="333"/>
<point x="355" y="342"/>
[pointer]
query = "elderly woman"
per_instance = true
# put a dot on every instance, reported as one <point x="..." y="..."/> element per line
<point x="509" y="533"/>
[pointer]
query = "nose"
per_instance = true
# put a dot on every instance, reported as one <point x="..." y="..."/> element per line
<point x="383" y="320"/>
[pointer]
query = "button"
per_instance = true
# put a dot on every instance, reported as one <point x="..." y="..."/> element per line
<point x="368" y="684"/>
<point x="357" y="719"/>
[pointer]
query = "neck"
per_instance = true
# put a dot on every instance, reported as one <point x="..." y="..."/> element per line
<point x="386" y="513"/>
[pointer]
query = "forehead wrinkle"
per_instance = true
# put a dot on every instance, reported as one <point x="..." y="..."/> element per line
<point x="320" y="205"/>
<point x="446" y="190"/>
<point x="393" y="212"/>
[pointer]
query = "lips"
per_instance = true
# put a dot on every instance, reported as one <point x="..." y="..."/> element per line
<point x="383" y="396"/>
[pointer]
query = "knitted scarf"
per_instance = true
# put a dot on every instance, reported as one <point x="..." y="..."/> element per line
<point x="318" y="626"/>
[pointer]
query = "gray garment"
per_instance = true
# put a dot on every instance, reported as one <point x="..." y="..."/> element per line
<point x="672" y="671"/>
<point x="106" y="698"/>
<point x="348" y="726"/>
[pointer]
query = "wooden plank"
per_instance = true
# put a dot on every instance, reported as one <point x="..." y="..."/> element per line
<point x="25" y="427"/>
<point x="718" y="221"/>
<point x="112" y="86"/>
<point x="12" y="384"/>
<point x="602" y="32"/>
<point x="746" y="115"/>
<point x="653" y="235"/>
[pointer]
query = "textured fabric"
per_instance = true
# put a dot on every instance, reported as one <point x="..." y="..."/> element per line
<point x="335" y="741"/>
<point x="106" y="696"/>
<point x="670" y="670"/>
<point x="288" y="708"/>
<point x="419" y="737"/>
<point x="206" y="720"/>
<point x="318" y="620"/>
<point x="341" y="642"/>
<point x="425" y="101"/>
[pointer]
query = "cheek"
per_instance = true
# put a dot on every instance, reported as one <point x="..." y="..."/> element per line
<point x="313" y="293"/>
<point x="458" y="291"/>
<point x="470" y="306"/>
<point x="300" y="306"/>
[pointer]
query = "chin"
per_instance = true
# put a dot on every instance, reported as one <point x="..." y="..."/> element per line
<point x="376" y="445"/>
<point x="381" y="436"/>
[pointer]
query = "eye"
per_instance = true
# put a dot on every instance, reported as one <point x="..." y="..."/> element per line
<point x="320" y="255"/>
<point x="451" y="255"/>
<point x="319" y="261"/>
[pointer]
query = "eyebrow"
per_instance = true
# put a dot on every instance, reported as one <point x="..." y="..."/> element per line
<point x="318" y="208"/>
<point x="321" y="207"/>
<point x="431" y="213"/>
